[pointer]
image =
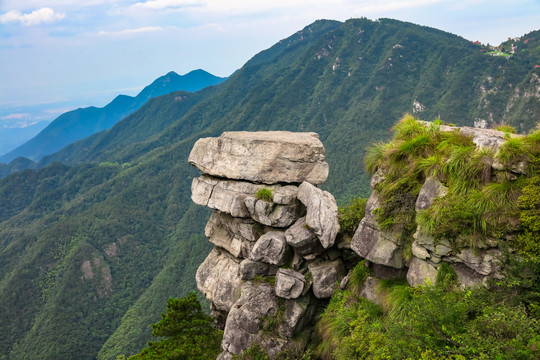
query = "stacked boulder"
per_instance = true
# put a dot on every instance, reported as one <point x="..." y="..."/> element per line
<point x="274" y="232"/>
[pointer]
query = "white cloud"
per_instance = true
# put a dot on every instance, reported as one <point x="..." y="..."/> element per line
<point x="140" y="30"/>
<point x="43" y="15"/>
<point x="15" y="116"/>
<point x="164" y="4"/>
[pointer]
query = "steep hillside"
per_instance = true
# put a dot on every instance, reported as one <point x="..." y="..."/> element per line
<point x="80" y="123"/>
<point x="91" y="250"/>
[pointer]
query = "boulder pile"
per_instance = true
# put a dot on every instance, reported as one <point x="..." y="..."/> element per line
<point x="274" y="232"/>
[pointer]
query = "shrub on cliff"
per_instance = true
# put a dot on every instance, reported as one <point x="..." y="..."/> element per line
<point x="428" y="322"/>
<point x="188" y="333"/>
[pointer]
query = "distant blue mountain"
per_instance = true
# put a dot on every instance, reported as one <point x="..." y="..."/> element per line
<point x="78" y="124"/>
<point x="11" y="137"/>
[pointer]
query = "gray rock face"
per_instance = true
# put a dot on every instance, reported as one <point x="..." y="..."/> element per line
<point x="377" y="246"/>
<point x="321" y="214"/>
<point x="298" y="314"/>
<point x="218" y="278"/>
<point x="325" y="276"/>
<point x="303" y="239"/>
<point x="237" y="198"/>
<point x="243" y="229"/>
<point x="369" y="291"/>
<point x="483" y="138"/>
<point x="271" y="214"/>
<point x="249" y="269"/>
<point x="466" y="276"/>
<point x="272" y="248"/>
<point x="420" y="271"/>
<point x="431" y="190"/>
<point x="289" y="283"/>
<point x="254" y="237"/>
<point x="484" y="262"/>
<point x="249" y="315"/>
<point x="230" y="233"/>
<point x="266" y="157"/>
<point x="244" y="320"/>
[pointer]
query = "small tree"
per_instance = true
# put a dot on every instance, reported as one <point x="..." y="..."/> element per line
<point x="188" y="333"/>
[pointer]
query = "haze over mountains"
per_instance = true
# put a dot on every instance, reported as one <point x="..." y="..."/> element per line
<point x="83" y="122"/>
<point x="94" y="242"/>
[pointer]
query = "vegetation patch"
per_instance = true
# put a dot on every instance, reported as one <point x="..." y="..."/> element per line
<point x="429" y="322"/>
<point x="265" y="194"/>
<point x="350" y="215"/>
<point x="480" y="202"/>
<point x="186" y="332"/>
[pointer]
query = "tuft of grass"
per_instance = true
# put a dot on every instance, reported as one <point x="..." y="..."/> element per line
<point x="397" y="293"/>
<point x="359" y="274"/>
<point x="514" y="150"/>
<point x="505" y="128"/>
<point x="259" y="279"/>
<point x="446" y="276"/>
<point x="408" y="128"/>
<point x="374" y="157"/>
<point x="265" y="194"/>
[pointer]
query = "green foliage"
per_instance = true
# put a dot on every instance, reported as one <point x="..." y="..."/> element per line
<point x="256" y="352"/>
<point x="528" y="241"/>
<point x="265" y="194"/>
<point x="514" y="150"/>
<point x="350" y="215"/>
<point x="359" y="274"/>
<point x="259" y="279"/>
<point x="144" y="208"/>
<point x="188" y="333"/>
<point x="506" y="128"/>
<point x="446" y="276"/>
<point x="478" y="204"/>
<point x="429" y="322"/>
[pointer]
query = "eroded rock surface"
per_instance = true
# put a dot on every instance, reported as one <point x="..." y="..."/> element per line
<point x="266" y="157"/>
<point x="218" y="278"/>
<point x="303" y="239"/>
<point x="321" y="216"/>
<point x="289" y="283"/>
<point x="326" y="275"/>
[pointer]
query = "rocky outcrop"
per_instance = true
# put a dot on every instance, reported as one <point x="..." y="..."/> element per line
<point x="274" y="253"/>
<point x="321" y="213"/>
<point x="376" y="245"/>
<point x="264" y="157"/>
<point x="386" y="248"/>
<point x="277" y="253"/>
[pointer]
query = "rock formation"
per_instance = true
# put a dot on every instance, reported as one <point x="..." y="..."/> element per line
<point x="385" y="248"/>
<point x="278" y="249"/>
<point x="274" y="255"/>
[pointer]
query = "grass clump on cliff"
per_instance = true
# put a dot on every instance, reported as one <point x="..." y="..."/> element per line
<point x="265" y="194"/>
<point x="483" y="185"/>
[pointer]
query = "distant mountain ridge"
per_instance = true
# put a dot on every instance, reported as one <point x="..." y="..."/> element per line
<point x="83" y="122"/>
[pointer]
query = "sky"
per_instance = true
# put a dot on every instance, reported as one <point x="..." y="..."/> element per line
<point x="56" y="55"/>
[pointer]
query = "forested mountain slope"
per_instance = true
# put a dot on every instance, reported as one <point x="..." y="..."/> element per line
<point x="91" y="250"/>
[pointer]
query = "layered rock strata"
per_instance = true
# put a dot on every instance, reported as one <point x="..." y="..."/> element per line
<point x="274" y="255"/>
